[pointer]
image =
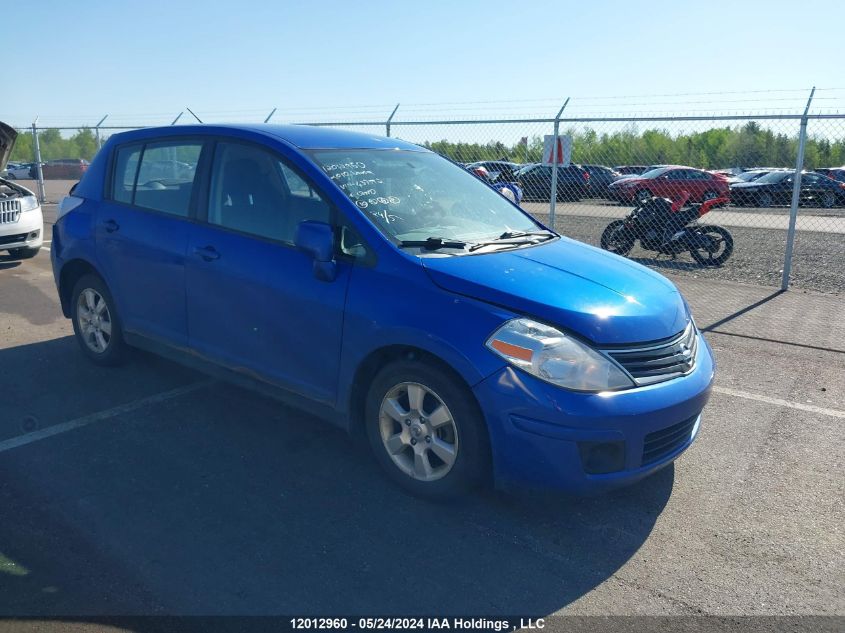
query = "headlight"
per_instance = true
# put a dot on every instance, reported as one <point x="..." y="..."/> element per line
<point x="551" y="355"/>
<point x="28" y="203"/>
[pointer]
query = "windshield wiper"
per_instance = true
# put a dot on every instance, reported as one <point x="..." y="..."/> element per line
<point x="432" y="243"/>
<point x="511" y="234"/>
<point x="515" y="238"/>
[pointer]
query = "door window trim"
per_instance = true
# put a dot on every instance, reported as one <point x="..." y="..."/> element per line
<point x="108" y="189"/>
<point x="335" y="214"/>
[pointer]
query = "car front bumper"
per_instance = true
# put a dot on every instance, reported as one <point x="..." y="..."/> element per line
<point x="546" y="437"/>
<point x="26" y="232"/>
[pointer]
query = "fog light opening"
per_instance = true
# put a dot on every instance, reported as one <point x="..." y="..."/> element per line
<point x="598" y="458"/>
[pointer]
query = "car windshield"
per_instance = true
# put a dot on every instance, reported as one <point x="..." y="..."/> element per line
<point x="411" y="195"/>
<point x="748" y="176"/>
<point x="654" y="173"/>
<point x="775" y="176"/>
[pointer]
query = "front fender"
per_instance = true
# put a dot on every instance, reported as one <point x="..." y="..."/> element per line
<point x="404" y="308"/>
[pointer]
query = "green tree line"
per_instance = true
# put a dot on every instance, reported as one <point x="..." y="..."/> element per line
<point x="748" y="145"/>
<point x="82" y="144"/>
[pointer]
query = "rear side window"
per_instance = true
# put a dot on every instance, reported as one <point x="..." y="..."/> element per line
<point x="166" y="176"/>
<point x="158" y="176"/>
<point x="125" y="170"/>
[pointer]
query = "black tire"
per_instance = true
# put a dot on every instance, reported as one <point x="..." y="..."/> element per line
<point x="472" y="461"/>
<point x="116" y="350"/>
<point x="764" y="200"/>
<point x="617" y="239"/>
<point x="641" y="196"/>
<point x="24" y="253"/>
<point x="828" y="200"/>
<point x="724" y="242"/>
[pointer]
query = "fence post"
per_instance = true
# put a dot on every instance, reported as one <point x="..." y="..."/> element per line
<point x="389" y="119"/>
<point x="42" y="196"/>
<point x="796" y="196"/>
<point x="97" y="132"/>
<point x="553" y="192"/>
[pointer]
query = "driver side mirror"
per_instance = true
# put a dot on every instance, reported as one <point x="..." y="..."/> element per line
<point x="317" y="239"/>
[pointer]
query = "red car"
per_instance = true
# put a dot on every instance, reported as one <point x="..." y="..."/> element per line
<point x="64" y="169"/>
<point x="669" y="182"/>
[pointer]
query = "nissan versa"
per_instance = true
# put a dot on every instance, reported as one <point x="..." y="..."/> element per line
<point x="378" y="285"/>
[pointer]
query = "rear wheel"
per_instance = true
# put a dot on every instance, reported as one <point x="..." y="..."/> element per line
<point x="95" y="322"/>
<point x="425" y="430"/>
<point x="24" y="253"/>
<point x="716" y="248"/>
<point x="828" y="199"/>
<point x="764" y="200"/>
<point x="617" y="238"/>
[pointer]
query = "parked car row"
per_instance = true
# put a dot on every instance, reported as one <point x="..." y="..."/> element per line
<point x="631" y="184"/>
<point x="60" y="169"/>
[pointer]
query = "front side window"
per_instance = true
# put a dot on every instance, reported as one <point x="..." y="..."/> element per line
<point x="255" y="192"/>
<point x="412" y="195"/>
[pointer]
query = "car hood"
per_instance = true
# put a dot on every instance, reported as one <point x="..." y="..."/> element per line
<point x="748" y="185"/>
<point x="7" y="142"/>
<point x="601" y="296"/>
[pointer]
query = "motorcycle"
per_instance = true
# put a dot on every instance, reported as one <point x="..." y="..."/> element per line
<point x="671" y="229"/>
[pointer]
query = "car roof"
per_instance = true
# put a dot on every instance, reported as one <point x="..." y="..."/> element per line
<point x="301" y="136"/>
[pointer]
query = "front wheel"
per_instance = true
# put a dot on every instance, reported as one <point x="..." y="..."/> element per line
<point x="617" y="238"/>
<point x="425" y="430"/>
<point x="764" y="200"/>
<point x="95" y="322"/>
<point x="715" y="248"/>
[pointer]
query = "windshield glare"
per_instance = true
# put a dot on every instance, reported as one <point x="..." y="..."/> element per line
<point x="654" y="173"/>
<point x="775" y="176"/>
<point x="413" y="195"/>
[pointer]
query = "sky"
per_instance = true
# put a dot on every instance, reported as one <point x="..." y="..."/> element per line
<point x="144" y="62"/>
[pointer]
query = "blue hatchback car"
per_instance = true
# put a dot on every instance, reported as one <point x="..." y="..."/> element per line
<point x="380" y="286"/>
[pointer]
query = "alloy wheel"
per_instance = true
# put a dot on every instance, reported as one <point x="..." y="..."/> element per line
<point x="418" y="431"/>
<point x="94" y="320"/>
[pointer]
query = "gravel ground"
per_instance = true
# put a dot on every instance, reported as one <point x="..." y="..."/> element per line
<point x="757" y="258"/>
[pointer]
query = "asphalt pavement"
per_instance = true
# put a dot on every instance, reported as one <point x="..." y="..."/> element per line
<point x="150" y="489"/>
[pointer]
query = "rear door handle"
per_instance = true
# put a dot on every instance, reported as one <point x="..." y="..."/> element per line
<point x="208" y="253"/>
<point x="111" y="226"/>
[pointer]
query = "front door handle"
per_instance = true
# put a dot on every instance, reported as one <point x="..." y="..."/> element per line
<point x="208" y="253"/>
<point x="111" y="226"/>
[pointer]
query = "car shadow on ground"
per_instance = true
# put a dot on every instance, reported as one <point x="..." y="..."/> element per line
<point x="225" y="502"/>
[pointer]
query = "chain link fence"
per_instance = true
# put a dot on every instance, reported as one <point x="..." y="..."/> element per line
<point x="754" y="203"/>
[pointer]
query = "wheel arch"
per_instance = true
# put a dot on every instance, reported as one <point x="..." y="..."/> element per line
<point x="371" y="364"/>
<point x="71" y="272"/>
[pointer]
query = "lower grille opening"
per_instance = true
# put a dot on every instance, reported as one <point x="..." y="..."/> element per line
<point x="661" y="443"/>
<point x="12" y="239"/>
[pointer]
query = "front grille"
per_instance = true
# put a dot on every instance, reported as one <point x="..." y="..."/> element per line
<point x="658" y="361"/>
<point x="10" y="211"/>
<point x="664" y="442"/>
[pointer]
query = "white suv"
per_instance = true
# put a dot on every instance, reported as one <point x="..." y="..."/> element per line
<point x="21" y="222"/>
